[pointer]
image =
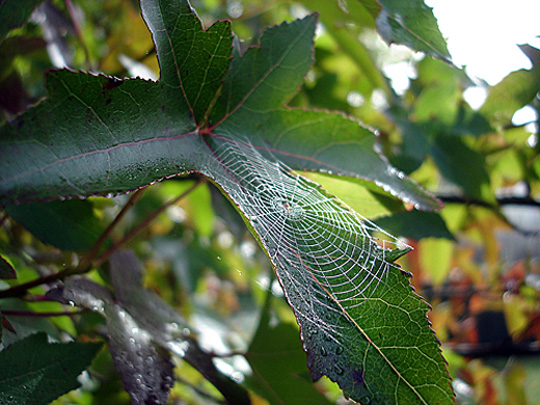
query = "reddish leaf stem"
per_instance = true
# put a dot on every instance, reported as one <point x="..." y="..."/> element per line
<point x="78" y="31"/>
<point x="145" y="223"/>
<point x="86" y="261"/>
<point x="89" y="259"/>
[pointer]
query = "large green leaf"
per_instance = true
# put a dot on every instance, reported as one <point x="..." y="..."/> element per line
<point x="361" y="323"/>
<point x="99" y="135"/>
<point x="35" y="371"/>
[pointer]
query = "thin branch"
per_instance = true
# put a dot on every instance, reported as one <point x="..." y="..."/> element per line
<point x="78" y="31"/>
<point x="21" y="289"/>
<point x="501" y="201"/>
<point x="42" y="314"/>
<point x="37" y="298"/>
<point x="86" y="261"/>
<point x="84" y="264"/>
<point x="145" y="223"/>
<point x="89" y="259"/>
<point x="527" y="201"/>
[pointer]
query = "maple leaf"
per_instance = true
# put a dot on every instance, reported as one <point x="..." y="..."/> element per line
<point x="225" y="118"/>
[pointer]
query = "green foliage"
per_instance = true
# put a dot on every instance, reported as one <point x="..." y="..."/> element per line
<point x="35" y="371"/>
<point x="230" y="135"/>
<point x="279" y="366"/>
<point x="14" y="13"/>
<point x="76" y="225"/>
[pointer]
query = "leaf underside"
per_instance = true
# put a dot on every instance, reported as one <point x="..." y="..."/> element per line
<point x="143" y="331"/>
<point x="361" y="323"/>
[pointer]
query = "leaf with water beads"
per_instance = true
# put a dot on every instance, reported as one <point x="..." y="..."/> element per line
<point x="361" y="323"/>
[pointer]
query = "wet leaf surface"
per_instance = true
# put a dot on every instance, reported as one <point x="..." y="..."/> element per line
<point x="144" y="330"/>
<point x="361" y="323"/>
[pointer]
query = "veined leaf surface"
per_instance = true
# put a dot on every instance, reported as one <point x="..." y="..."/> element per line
<point x="361" y="323"/>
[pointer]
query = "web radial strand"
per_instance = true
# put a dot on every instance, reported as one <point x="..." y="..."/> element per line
<point x="314" y="242"/>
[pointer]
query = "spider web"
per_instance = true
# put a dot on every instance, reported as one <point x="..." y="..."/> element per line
<point x="357" y="313"/>
<point x="309" y="236"/>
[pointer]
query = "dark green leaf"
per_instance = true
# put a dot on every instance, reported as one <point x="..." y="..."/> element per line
<point x="68" y="225"/>
<point x="462" y="166"/>
<point x="6" y="269"/>
<point x="35" y="371"/>
<point x="97" y="135"/>
<point x="470" y="122"/>
<point x="142" y="330"/>
<point x="415" y="145"/>
<point x="415" y="224"/>
<point x="361" y="323"/>
<point x="410" y="23"/>
<point x="266" y="77"/>
<point x="14" y="13"/>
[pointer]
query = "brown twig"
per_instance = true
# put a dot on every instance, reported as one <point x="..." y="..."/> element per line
<point x="145" y="223"/>
<point x="84" y="264"/>
<point x="86" y="261"/>
<point x="89" y="259"/>
<point x="78" y="31"/>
